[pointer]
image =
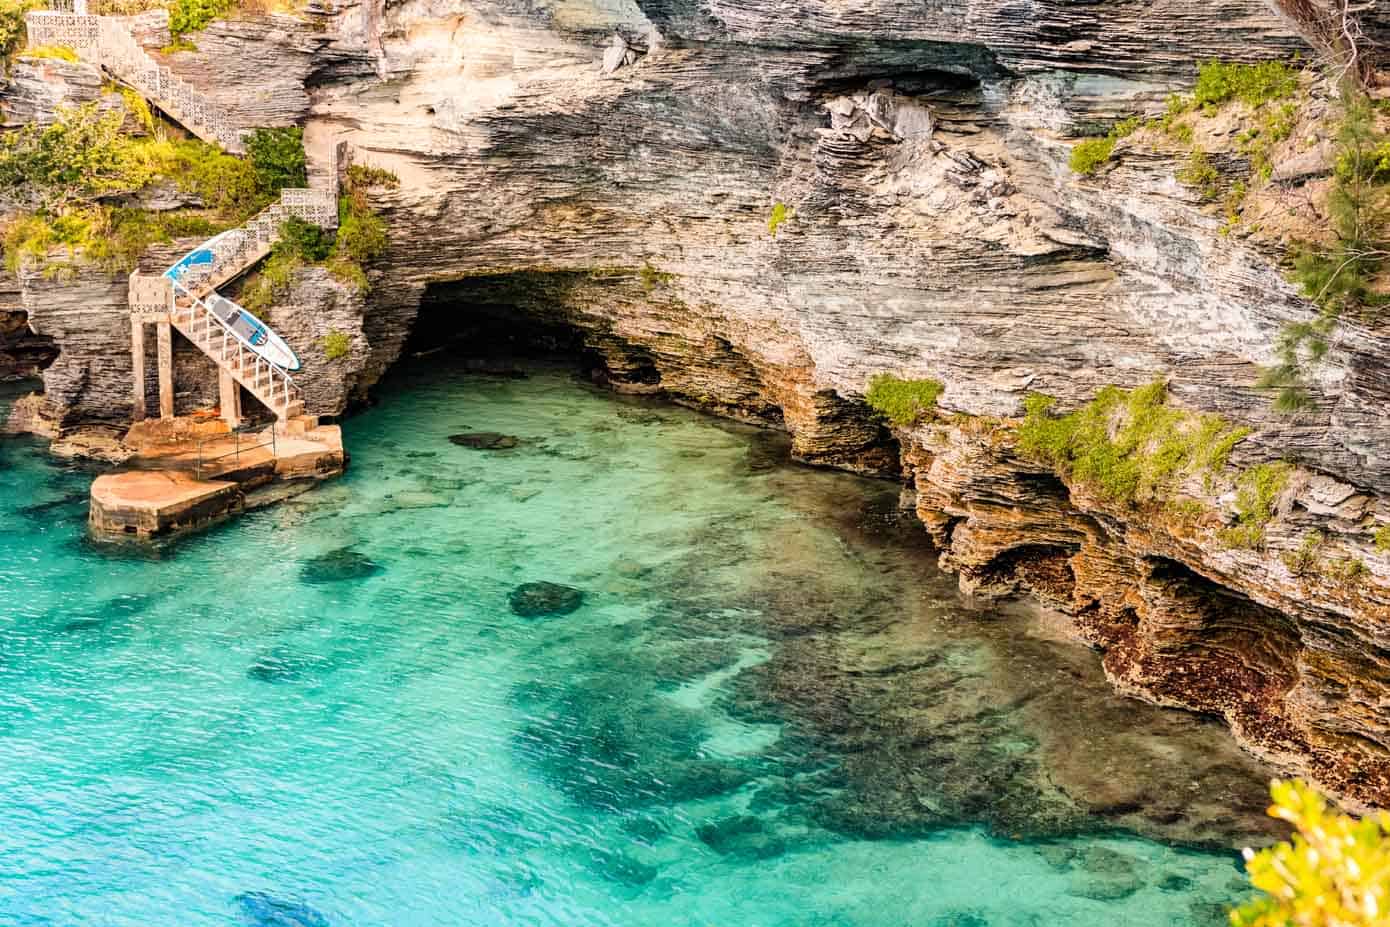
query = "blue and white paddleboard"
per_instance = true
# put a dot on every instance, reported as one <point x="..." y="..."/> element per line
<point x="201" y="256"/>
<point x="256" y="333"/>
<point x="252" y="330"/>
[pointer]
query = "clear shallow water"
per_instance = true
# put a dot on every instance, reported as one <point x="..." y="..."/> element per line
<point x="770" y="710"/>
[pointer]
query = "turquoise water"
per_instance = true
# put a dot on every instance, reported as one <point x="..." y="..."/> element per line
<point x="770" y="708"/>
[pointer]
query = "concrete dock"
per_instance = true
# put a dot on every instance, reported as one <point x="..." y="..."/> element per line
<point x="187" y="474"/>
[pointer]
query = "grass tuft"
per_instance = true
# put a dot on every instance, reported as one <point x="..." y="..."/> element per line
<point x="903" y="402"/>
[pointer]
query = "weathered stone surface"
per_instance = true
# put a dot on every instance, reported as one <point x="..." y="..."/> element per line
<point x="35" y="88"/>
<point x="146" y="504"/>
<point x="1294" y="661"/>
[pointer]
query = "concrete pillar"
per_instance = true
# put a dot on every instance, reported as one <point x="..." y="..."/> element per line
<point x="137" y="364"/>
<point x="229" y="397"/>
<point x="166" y="370"/>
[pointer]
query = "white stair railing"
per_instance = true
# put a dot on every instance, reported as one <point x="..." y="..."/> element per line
<point x="267" y="381"/>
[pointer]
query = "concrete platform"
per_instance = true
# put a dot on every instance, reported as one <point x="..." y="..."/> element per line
<point x="184" y="476"/>
<point x="142" y="504"/>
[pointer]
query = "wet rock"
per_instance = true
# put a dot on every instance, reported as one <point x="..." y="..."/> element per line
<point x="486" y="440"/>
<point x="533" y="600"/>
<point x="337" y="566"/>
<point x="262" y="909"/>
<point x="743" y="836"/>
<point x="767" y="452"/>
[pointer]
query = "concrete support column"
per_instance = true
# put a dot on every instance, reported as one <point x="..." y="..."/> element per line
<point x="137" y="364"/>
<point x="166" y="370"/>
<point x="229" y="397"/>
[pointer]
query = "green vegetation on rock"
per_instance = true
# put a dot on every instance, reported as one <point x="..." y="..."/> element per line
<point x="1089" y="155"/>
<point x="12" y="34"/>
<point x="1382" y="538"/>
<point x="364" y="176"/>
<point x="1200" y="174"/>
<point x="336" y="345"/>
<point x="1252" y="84"/>
<point x="277" y="155"/>
<point x="74" y="174"/>
<point x="60" y="52"/>
<point x="1257" y="494"/>
<point x="780" y="214"/>
<point x="187" y="16"/>
<point x="1129" y="445"/>
<point x="903" y="402"/>
<point x="1337" y="276"/>
<point x="651" y="277"/>
<point x="1333" y="872"/>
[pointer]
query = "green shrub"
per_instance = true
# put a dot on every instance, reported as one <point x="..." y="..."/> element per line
<point x="780" y="214"/>
<point x="110" y="238"/>
<point x="1382" y="538"/>
<point x="1333" y="872"/>
<point x="1089" y="155"/>
<point x="903" y="402"/>
<point x="187" y="16"/>
<point x="304" y="240"/>
<point x="272" y="281"/>
<point x="78" y="158"/>
<point x="224" y="183"/>
<point x="1254" y="84"/>
<point x="361" y="232"/>
<point x="1303" y="559"/>
<point x="1200" y="174"/>
<point x="1348" y="570"/>
<point x="1257" y="494"/>
<point x="349" y="273"/>
<point x="361" y="176"/>
<point x="336" y="345"/>
<point x="277" y="154"/>
<point x="1130" y="446"/>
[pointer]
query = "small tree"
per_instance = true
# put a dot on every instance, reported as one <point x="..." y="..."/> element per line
<point x="278" y="156"/>
<point x="1333" y="872"/>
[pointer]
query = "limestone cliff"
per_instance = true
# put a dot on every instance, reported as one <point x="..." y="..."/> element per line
<point x="610" y="169"/>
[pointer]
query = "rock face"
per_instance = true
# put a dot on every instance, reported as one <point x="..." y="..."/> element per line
<point x="619" y="195"/>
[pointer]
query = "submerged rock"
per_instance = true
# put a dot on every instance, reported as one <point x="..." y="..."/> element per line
<point x="621" y="868"/>
<point x="742" y="835"/>
<point x="262" y="909"/>
<point x="486" y="440"/>
<point x="338" y="566"/>
<point x="532" y="600"/>
<point x="282" y="666"/>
